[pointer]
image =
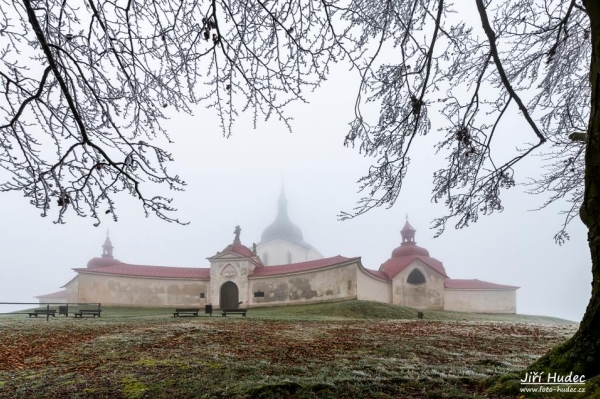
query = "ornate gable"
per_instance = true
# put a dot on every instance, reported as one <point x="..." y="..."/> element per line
<point x="229" y="271"/>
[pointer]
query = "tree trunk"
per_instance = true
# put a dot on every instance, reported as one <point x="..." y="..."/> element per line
<point x="581" y="353"/>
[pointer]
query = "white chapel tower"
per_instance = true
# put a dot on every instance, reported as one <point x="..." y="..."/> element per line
<point x="282" y="241"/>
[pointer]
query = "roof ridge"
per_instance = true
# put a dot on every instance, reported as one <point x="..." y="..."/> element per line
<point x="301" y="266"/>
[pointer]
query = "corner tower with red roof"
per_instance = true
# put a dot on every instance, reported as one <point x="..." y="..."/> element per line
<point x="417" y="279"/>
<point x="107" y="258"/>
<point x="420" y="281"/>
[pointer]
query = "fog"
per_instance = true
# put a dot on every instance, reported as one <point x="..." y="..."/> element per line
<point x="236" y="181"/>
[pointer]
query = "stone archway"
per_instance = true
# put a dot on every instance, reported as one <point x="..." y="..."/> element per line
<point x="229" y="296"/>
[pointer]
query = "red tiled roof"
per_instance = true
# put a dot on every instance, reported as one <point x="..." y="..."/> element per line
<point x="298" y="267"/>
<point x="103" y="261"/>
<point x="151" y="271"/>
<point x="409" y="249"/>
<point x="475" y="284"/>
<point x="240" y="250"/>
<point x="54" y="295"/>
<point x="377" y="273"/>
<point x="394" y="266"/>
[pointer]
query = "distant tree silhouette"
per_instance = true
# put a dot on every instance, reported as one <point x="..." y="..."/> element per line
<point x="85" y="86"/>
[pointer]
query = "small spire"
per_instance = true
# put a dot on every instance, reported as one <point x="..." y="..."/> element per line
<point x="282" y="192"/>
<point x="107" y="248"/>
<point x="408" y="232"/>
<point x="282" y="203"/>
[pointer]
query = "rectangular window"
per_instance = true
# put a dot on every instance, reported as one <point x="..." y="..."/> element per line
<point x="201" y="295"/>
<point x="259" y="294"/>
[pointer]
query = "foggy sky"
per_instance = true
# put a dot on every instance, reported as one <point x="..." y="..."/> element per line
<point x="237" y="181"/>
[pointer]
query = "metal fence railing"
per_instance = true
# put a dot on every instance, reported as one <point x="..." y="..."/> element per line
<point x="52" y="308"/>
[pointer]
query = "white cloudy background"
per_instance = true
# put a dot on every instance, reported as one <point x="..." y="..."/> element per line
<point x="237" y="181"/>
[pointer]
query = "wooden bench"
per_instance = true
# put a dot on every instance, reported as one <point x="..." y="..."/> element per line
<point x="90" y="312"/>
<point x="186" y="312"/>
<point x="234" y="311"/>
<point x="44" y="312"/>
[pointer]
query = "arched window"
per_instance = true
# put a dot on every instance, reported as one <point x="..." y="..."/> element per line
<point x="289" y="257"/>
<point x="265" y="259"/>
<point x="415" y="277"/>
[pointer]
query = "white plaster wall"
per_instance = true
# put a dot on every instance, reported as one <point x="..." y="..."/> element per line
<point x="372" y="289"/>
<point x="429" y="295"/>
<point x="481" y="301"/>
<point x="313" y="254"/>
<point x="334" y="283"/>
<point x="135" y="291"/>
<point x="52" y="300"/>
<point x="278" y="249"/>
<point x="234" y="270"/>
<point x="72" y="288"/>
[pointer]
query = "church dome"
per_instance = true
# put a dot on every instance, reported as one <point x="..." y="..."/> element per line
<point x="408" y="246"/>
<point x="107" y="256"/>
<point x="408" y="249"/>
<point x="282" y="227"/>
<point x="102" y="262"/>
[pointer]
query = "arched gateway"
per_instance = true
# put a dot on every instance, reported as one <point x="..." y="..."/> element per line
<point x="229" y="296"/>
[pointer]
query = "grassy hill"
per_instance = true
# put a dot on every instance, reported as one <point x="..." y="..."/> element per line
<point x="361" y="310"/>
<point x="378" y="310"/>
<point x="351" y="349"/>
